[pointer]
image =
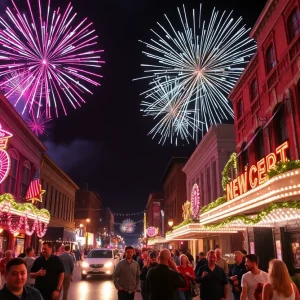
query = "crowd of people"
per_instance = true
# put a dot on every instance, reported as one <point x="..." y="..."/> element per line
<point x="162" y="275"/>
<point x="43" y="278"/>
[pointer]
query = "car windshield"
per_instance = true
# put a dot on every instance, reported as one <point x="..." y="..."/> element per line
<point x="100" y="254"/>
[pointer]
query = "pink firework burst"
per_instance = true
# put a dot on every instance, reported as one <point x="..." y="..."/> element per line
<point x="53" y="58"/>
<point x="39" y="123"/>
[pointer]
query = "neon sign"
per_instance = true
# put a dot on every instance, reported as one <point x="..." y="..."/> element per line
<point x="195" y="199"/>
<point x="4" y="157"/>
<point x="256" y="174"/>
<point x="152" y="231"/>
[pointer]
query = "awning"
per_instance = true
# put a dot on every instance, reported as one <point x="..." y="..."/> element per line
<point x="59" y="234"/>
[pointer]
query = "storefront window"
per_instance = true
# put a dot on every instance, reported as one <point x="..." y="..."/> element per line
<point x="259" y="144"/>
<point x="296" y="253"/>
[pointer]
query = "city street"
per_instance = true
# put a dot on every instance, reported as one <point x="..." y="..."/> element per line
<point x="98" y="288"/>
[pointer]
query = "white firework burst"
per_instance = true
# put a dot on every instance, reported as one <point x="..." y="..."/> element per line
<point x="204" y="60"/>
<point x="167" y="107"/>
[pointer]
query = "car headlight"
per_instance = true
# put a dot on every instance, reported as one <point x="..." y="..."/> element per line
<point x="85" y="264"/>
<point x="107" y="265"/>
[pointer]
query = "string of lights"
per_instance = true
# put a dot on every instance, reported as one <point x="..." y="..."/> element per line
<point x="135" y="222"/>
<point x="116" y="214"/>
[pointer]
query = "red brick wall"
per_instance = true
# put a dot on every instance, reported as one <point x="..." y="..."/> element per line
<point x="272" y="87"/>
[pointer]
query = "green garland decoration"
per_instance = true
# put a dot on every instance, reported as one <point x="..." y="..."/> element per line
<point x="231" y="164"/>
<point x="282" y="167"/>
<point x="214" y="204"/>
<point x="22" y="207"/>
<point x="259" y="217"/>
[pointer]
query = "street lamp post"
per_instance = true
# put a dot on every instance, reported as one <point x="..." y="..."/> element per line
<point x="88" y="220"/>
<point x="163" y="223"/>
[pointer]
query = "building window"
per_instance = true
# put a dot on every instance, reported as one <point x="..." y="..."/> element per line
<point x="293" y="24"/>
<point x="253" y="89"/>
<point x="202" y="190"/>
<point x="214" y="179"/>
<point x="280" y="126"/>
<point x="259" y="144"/>
<point x="208" y="183"/>
<point x="244" y="156"/>
<point x="239" y="108"/>
<point x="270" y="59"/>
<point x="11" y="180"/>
<point x="25" y="179"/>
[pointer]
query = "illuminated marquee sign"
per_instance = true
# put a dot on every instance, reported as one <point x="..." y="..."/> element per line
<point x="4" y="157"/>
<point x="195" y="201"/>
<point x="256" y="174"/>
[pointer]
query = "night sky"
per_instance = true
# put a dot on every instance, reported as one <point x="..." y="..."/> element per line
<point x="105" y="143"/>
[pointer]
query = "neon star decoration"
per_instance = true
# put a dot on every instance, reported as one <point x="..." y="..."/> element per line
<point x="4" y="156"/>
<point x="54" y="59"/>
<point x="203" y="60"/>
<point x="39" y="198"/>
<point x="195" y="201"/>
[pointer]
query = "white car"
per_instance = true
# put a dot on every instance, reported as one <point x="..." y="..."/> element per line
<point x="99" y="262"/>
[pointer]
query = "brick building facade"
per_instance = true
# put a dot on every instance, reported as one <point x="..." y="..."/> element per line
<point x="266" y="99"/>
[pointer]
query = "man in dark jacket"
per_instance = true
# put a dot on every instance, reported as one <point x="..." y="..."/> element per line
<point x="15" y="288"/>
<point x="164" y="280"/>
<point x="201" y="262"/>
<point x="236" y="273"/>
<point x="151" y="263"/>
<point x="212" y="278"/>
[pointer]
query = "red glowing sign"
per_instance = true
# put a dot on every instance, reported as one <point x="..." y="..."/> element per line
<point x="4" y="157"/>
<point x="256" y="174"/>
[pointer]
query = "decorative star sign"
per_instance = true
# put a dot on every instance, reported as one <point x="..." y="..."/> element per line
<point x="38" y="198"/>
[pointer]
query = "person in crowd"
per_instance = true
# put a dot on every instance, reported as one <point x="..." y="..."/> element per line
<point x="244" y="252"/>
<point x="22" y="255"/>
<point x="221" y="262"/>
<point x="176" y="258"/>
<point x="8" y="256"/>
<point x="127" y="285"/>
<point x="164" y="280"/>
<point x="16" y="278"/>
<point x="48" y="271"/>
<point x="186" y="270"/>
<point x="235" y="274"/>
<point x="253" y="281"/>
<point x="212" y="279"/>
<point x="151" y="263"/>
<point x="29" y="259"/>
<point x="78" y="257"/>
<point x="68" y="262"/>
<point x="201" y="262"/>
<point x="280" y="286"/>
<point x="190" y="256"/>
<point x="142" y="260"/>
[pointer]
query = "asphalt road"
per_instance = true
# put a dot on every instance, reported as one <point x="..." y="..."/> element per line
<point x="96" y="288"/>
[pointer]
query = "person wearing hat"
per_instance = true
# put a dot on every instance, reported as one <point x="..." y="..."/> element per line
<point x="151" y="263"/>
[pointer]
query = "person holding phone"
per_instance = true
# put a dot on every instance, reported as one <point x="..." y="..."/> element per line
<point x="164" y="280"/>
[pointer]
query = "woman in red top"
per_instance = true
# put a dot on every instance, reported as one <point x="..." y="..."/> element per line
<point x="187" y="271"/>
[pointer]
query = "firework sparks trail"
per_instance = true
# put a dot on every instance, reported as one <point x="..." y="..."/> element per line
<point x="52" y="55"/>
<point x="203" y="60"/>
<point x="38" y="124"/>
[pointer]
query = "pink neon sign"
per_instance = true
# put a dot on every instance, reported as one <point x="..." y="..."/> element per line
<point x="4" y="157"/>
<point x="195" y="199"/>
